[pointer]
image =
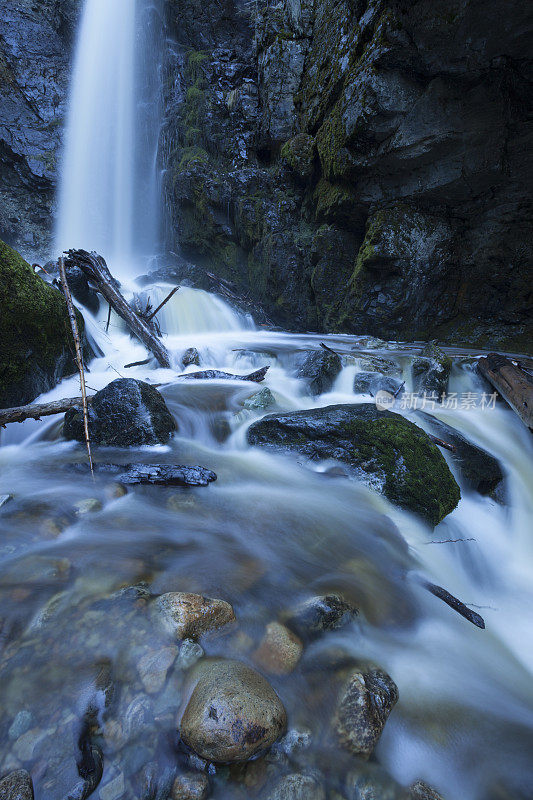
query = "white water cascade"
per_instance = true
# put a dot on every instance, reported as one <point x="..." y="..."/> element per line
<point x="108" y="190"/>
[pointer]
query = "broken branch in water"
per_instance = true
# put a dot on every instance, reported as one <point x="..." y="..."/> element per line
<point x="138" y="363"/>
<point x="329" y="349"/>
<point x="20" y="413"/>
<point x="454" y="603"/>
<point x="165" y="301"/>
<point x="79" y="356"/>
<point x="442" y="443"/>
<point x="96" y="269"/>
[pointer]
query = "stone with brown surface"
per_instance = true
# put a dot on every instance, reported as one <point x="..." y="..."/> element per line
<point x="188" y="616"/>
<point x="232" y="712"/>
<point x="279" y="650"/>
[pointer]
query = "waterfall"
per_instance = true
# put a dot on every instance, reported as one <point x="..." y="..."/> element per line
<point x="108" y="197"/>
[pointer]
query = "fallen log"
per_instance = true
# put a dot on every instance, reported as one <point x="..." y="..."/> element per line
<point x="454" y="603"/>
<point x="215" y="374"/>
<point x="442" y="443"/>
<point x="96" y="269"/>
<point x="513" y="383"/>
<point x="20" y="413"/>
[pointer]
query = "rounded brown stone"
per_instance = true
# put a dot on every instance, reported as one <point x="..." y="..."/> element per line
<point x="232" y="712"/>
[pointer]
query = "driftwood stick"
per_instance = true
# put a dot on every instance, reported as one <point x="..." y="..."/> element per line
<point x="165" y="301"/>
<point x="108" y="318"/>
<point x="138" y="363"/>
<point x="454" y="603"/>
<point x="79" y="356"/>
<point x="329" y="349"/>
<point x="36" y="411"/>
<point x="97" y="270"/>
<point x="513" y="383"/>
<point x="442" y="443"/>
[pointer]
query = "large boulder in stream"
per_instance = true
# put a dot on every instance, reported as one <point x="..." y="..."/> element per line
<point x="382" y="447"/>
<point x="320" y="369"/>
<point x="479" y="470"/>
<point x="126" y="413"/>
<point x="35" y="335"/>
<point x="232" y="712"/>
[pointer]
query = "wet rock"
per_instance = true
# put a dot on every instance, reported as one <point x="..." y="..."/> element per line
<point x="154" y="666"/>
<point x="188" y="616"/>
<point x="166" y="475"/>
<point x="421" y="791"/>
<point x="373" y="382"/>
<point x="21" y="724"/>
<point x="363" y="707"/>
<point x="299" y="153"/>
<point x="190" y="653"/>
<point x="385" y="366"/>
<point x="383" y="448"/>
<point x="318" y="614"/>
<point x="320" y="369"/>
<point x="480" y="471"/>
<point x="126" y="413"/>
<point x="279" y="650"/>
<point x="233" y="713"/>
<point x="260" y="400"/>
<point x="191" y="356"/>
<point x="371" y="782"/>
<point x="88" y="506"/>
<point x="34" y="329"/>
<point x="297" y="787"/>
<point x="190" y="786"/>
<point x="16" y="786"/>
<point x="431" y="371"/>
<point x="156" y="783"/>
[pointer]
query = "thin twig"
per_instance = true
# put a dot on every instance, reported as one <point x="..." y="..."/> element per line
<point x="79" y="357"/>
<point x="108" y="318"/>
<point x="138" y="363"/>
<point x="450" y="541"/>
<point x="160" y="306"/>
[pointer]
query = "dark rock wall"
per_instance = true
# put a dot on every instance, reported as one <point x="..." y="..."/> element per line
<point x="36" y="42"/>
<point x="351" y="165"/>
<point x="359" y="166"/>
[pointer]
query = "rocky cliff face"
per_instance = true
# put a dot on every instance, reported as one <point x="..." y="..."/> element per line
<point x="359" y="165"/>
<point x="35" y="53"/>
<point x="351" y="165"/>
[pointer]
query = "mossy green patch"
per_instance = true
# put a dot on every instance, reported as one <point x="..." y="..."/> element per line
<point x="396" y="454"/>
<point x="35" y="335"/>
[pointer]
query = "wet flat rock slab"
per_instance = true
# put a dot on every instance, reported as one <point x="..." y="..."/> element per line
<point x="155" y="474"/>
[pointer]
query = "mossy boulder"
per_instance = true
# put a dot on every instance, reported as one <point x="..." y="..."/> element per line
<point x="36" y="340"/>
<point x="431" y="371"/>
<point x="320" y="370"/>
<point x="382" y="447"/>
<point x="299" y="154"/>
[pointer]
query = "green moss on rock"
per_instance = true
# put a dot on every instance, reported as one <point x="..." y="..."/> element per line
<point x="394" y="453"/>
<point x="35" y="333"/>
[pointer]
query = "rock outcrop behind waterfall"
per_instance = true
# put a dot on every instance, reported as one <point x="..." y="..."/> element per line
<point x="360" y="166"/>
<point x="35" y="58"/>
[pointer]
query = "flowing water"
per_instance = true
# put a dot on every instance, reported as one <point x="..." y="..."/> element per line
<point x="109" y="192"/>
<point x="272" y="530"/>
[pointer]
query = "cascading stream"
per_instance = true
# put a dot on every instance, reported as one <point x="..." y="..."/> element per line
<point x="273" y="529"/>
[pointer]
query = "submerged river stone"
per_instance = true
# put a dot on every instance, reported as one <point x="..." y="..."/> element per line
<point x="188" y="616"/>
<point x="127" y="413"/>
<point x="364" y="705"/>
<point x="16" y="786"/>
<point x="400" y="456"/>
<point x="232" y="713"/>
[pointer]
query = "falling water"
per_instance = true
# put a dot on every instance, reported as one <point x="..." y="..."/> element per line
<point x="108" y="191"/>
